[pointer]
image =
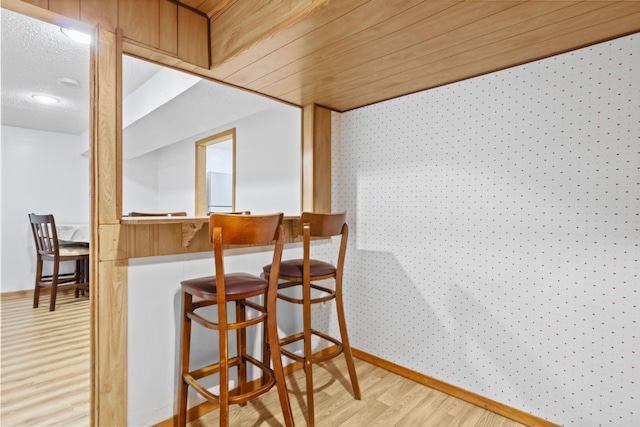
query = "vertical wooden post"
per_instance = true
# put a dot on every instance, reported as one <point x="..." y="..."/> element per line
<point x="109" y="264"/>
<point x="316" y="159"/>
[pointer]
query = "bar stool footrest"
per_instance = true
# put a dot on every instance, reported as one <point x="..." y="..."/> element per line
<point x="234" y="395"/>
<point x="317" y="359"/>
<point x="330" y="293"/>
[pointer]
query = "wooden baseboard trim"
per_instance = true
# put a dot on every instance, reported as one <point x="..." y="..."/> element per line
<point x="17" y="294"/>
<point x="28" y="293"/>
<point x="457" y="392"/>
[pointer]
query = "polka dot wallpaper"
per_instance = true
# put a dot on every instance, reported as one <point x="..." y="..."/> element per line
<point x="495" y="232"/>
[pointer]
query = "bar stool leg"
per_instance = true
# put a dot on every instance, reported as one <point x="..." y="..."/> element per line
<point x="224" y="365"/>
<point x="272" y="351"/>
<point x="266" y="350"/>
<point x="346" y="347"/>
<point x="308" y="355"/>
<point x="241" y="345"/>
<point x="185" y="349"/>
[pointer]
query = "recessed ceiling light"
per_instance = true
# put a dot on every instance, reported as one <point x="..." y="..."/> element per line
<point x="68" y="81"/>
<point x="45" y="99"/>
<point x="77" y="36"/>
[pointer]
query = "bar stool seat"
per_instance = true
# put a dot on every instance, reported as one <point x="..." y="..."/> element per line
<point x="236" y="288"/>
<point x="294" y="268"/>
<point x="237" y="285"/>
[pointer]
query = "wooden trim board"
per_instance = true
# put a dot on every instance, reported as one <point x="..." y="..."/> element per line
<point x="457" y="392"/>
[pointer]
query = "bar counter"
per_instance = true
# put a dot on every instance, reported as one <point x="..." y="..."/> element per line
<point x="154" y="236"/>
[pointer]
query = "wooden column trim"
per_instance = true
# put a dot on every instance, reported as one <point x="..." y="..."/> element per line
<point x="109" y="271"/>
<point x="316" y="159"/>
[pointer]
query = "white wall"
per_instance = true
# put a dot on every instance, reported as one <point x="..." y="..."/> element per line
<point x="42" y="172"/>
<point x="268" y="168"/>
<point x="269" y="161"/>
<point x="495" y="233"/>
<point x="140" y="184"/>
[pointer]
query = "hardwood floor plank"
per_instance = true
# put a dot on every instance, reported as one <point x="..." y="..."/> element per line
<point x="469" y="415"/>
<point x="392" y="390"/>
<point x="411" y="399"/>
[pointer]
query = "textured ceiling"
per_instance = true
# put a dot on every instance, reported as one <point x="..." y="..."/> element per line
<point x="35" y="54"/>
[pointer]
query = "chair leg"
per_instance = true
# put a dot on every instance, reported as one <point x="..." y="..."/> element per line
<point x="346" y="347"/>
<point x="185" y="349"/>
<point x="54" y="286"/>
<point x="36" y="290"/>
<point x="85" y="277"/>
<point x="77" y="273"/>
<point x="77" y="277"/>
<point x="308" y="355"/>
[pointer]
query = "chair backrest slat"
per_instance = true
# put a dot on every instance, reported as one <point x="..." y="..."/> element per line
<point x="245" y="229"/>
<point x="44" y="233"/>
<point x="324" y="224"/>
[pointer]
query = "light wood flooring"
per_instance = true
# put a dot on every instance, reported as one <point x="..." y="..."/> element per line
<point x="45" y="381"/>
<point x="44" y="361"/>
<point x="387" y="400"/>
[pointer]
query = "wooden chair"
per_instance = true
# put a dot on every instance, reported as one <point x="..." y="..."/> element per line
<point x="233" y="229"/>
<point x="157" y="214"/>
<point x="48" y="248"/>
<point x="300" y="274"/>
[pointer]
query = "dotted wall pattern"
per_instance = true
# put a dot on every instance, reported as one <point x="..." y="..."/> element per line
<point x="495" y="233"/>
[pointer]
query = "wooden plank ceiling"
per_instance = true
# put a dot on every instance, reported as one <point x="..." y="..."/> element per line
<point x="344" y="54"/>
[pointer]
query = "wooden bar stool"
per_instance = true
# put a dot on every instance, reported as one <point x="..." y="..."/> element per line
<point x="231" y="229"/>
<point x="301" y="273"/>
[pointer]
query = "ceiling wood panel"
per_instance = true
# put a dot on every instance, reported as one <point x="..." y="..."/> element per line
<point x="209" y="7"/>
<point x="369" y="58"/>
<point x="509" y="53"/>
<point x="347" y="54"/>
<point x="463" y="44"/>
<point x="462" y="39"/>
<point x="319" y="13"/>
<point x="329" y="37"/>
<point x="245" y="22"/>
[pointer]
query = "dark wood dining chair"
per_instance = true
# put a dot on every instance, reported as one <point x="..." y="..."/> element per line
<point x="236" y="288"/>
<point x="300" y="275"/>
<point x="48" y="249"/>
